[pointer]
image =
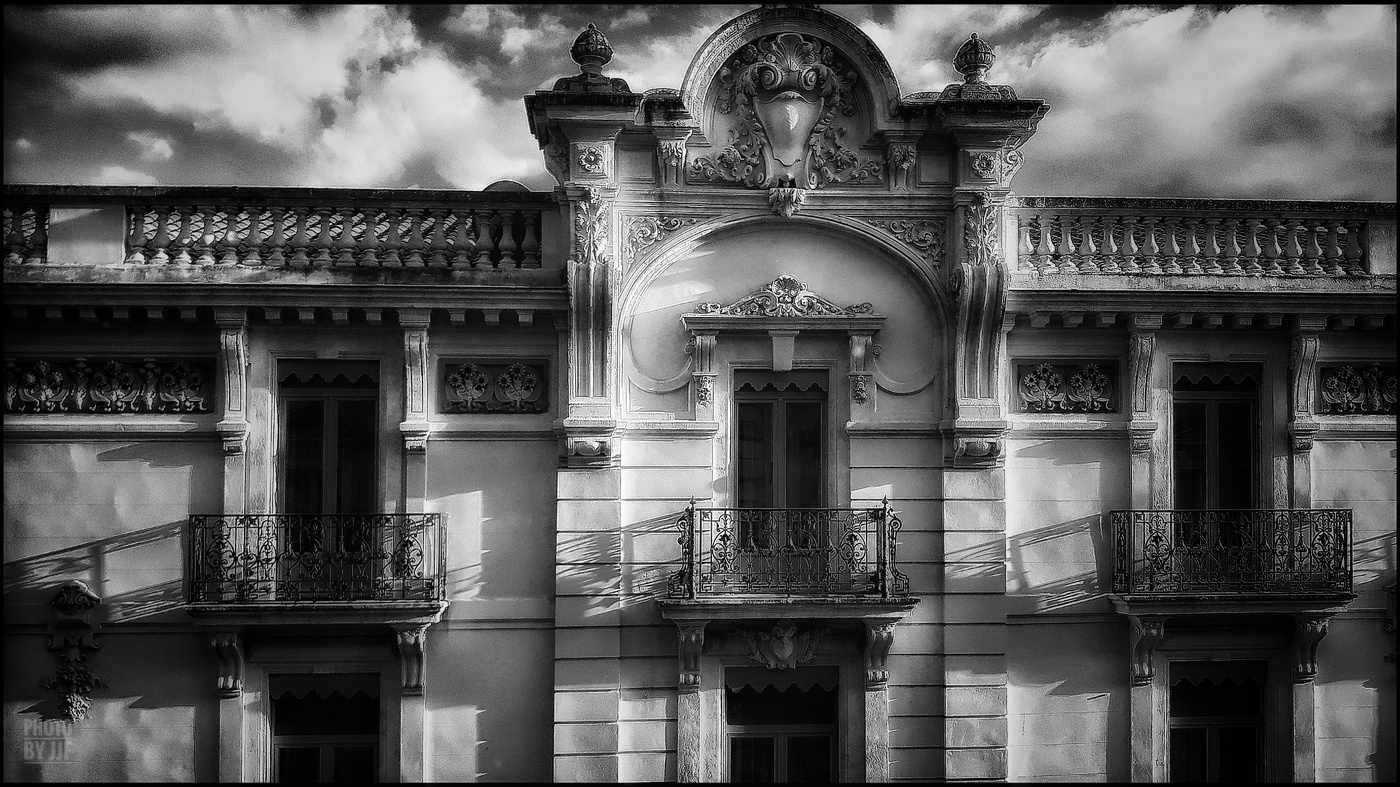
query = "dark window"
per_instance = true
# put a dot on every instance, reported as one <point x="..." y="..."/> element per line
<point x="1217" y="721"/>
<point x="781" y="736"/>
<point x="781" y="446"/>
<point x="1215" y="440"/>
<point x="328" y="737"/>
<point x="328" y="463"/>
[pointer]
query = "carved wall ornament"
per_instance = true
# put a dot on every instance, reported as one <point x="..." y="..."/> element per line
<point x="413" y="653"/>
<point x="86" y="386"/>
<point x="496" y="387"/>
<point x="786" y="201"/>
<point x="593" y="158"/>
<point x="785" y="296"/>
<point x="588" y="450"/>
<point x="672" y="152"/>
<point x="925" y="236"/>
<point x="704" y="389"/>
<point x="1144" y="635"/>
<point x="556" y="156"/>
<point x="860" y="388"/>
<point x="1140" y="353"/>
<point x="71" y="637"/>
<point x="642" y="232"/>
<point x="73" y="599"/>
<point x="987" y="448"/>
<point x="1358" y="390"/>
<point x="879" y="638"/>
<point x="982" y="231"/>
<point x="591" y="232"/>
<point x="1307" y="634"/>
<point x="901" y="156"/>
<point x="789" y="92"/>
<point x="691" y="643"/>
<point x="784" y="647"/>
<point x="996" y="165"/>
<point x="1068" y="388"/>
<point x="228" y="647"/>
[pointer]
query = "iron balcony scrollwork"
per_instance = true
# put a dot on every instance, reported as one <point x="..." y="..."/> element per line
<point x="788" y="551"/>
<point x="1232" y="551"/>
<point x="253" y="558"/>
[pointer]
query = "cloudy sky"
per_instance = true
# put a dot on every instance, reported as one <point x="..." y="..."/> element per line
<point x="1249" y="101"/>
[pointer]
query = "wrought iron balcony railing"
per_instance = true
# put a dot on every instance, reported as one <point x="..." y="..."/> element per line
<point x="270" y="558"/>
<point x="1234" y="551"/>
<point x="788" y="551"/>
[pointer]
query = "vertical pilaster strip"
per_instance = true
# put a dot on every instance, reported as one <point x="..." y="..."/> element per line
<point x="1142" y="428"/>
<point x="589" y="424"/>
<point x="689" y="714"/>
<point x="1302" y="426"/>
<point x="703" y="375"/>
<point x="233" y="427"/>
<point x="412" y="641"/>
<point x="879" y="638"/>
<point x="414" y="427"/>
<point x="228" y="646"/>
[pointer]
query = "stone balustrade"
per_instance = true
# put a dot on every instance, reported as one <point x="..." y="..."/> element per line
<point x="1154" y="237"/>
<point x="297" y="228"/>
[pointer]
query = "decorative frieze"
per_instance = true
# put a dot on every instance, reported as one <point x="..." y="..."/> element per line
<point x="642" y="232"/>
<point x="1357" y="390"/>
<point x="107" y="386"/>
<point x="1066" y="387"/>
<point x="926" y="237"/>
<point x="785" y="296"/>
<point x="496" y="387"/>
<point x="784" y="647"/>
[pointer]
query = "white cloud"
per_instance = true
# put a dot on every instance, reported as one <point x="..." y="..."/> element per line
<point x="24" y="145"/>
<point x="153" y="146"/>
<point x="114" y="175"/>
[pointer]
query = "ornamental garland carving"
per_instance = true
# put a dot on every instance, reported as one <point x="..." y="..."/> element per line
<point x="982" y="231"/>
<point x="642" y="232"/>
<point x="493" y="387"/>
<point x="1358" y="390"/>
<point x="788" y="91"/>
<point x="86" y="386"/>
<point x="1066" y="388"/>
<point x="925" y="236"/>
<point x="591" y="227"/>
<point x="784" y="297"/>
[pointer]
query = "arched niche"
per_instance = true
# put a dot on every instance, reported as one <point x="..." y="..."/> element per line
<point x="725" y="261"/>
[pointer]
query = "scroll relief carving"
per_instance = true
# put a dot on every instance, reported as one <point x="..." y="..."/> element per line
<point x="785" y="296"/>
<point x="999" y="165"/>
<point x="790" y="93"/>
<point x="591" y="227"/>
<point x="784" y="647"/>
<point x="926" y="237"/>
<point x="84" y="386"/>
<point x="643" y="232"/>
<point x="483" y="387"/>
<point x="71" y="638"/>
<point x="1352" y="390"/>
<point x="1043" y="388"/>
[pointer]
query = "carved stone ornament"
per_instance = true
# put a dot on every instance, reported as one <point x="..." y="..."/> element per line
<point x="704" y="389"/>
<point x="642" y="232"/>
<point x="1140" y="436"/>
<point x="1042" y="388"/>
<point x="785" y="296"/>
<point x="977" y="448"/>
<point x="860" y="388"/>
<point x="85" y="386"/>
<point x="413" y="651"/>
<point x="591" y="234"/>
<point x="73" y="599"/>
<point x="786" y="201"/>
<point x="71" y="638"/>
<point x="588" y="450"/>
<point x="997" y="165"/>
<point x="879" y="638"/>
<point x="973" y="60"/>
<point x="672" y="152"/>
<point x="901" y="156"/>
<point x="228" y="646"/>
<point x="790" y="92"/>
<point x="925" y="236"/>
<point x="691" y="641"/>
<point x="1144" y="636"/>
<point x="1352" y="390"/>
<point x="982" y="231"/>
<point x="1307" y="634"/>
<point x="593" y="158"/>
<point x="784" y="647"/>
<point x="486" y="387"/>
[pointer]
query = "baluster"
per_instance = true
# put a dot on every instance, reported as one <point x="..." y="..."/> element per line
<point x="345" y="239"/>
<point x="1332" y="251"/>
<point x="1088" y="250"/>
<point x="369" y="241"/>
<point x="301" y="217"/>
<point x="184" y="236"/>
<point x="1152" y="261"/>
<point x="322" y="243"/>
<point x="1044" y="249"/>
<point x="1191" y="255"/>
<point x="1024" y="249"/>
<point x="277" y="238"/>
<point x="1354" y="252"/>
<point x="483" y="240"/>
<point x="1253" y="253"/>
<point x="1130" y="251"/>
<point x="1313" y="251"/>
<point x="1232" y="248"/>
<point x="207" y="236"/>
<point x="414" y="244"/>
<point x="1211" y="253"/>
<point x="1111" y="256"/>
<point x="462" y="241"/>
<point x="530" y="246"/>
<point x="253" y="241"/>
<point x="393" y="239"/>
<point x="14" y="235"/>
<point x="1064" y="251"/>
<point x="1273" y="252"/>
<point x="161" y="240"/>
<point x="136" y="235"/>
<point x="1293" y="249"/>
<point x="228" y="239"/>
<point x="508" y="244"/>
<point x="437" y="243"/>
<point x="1172" y="252"/>
<point x="39" y="238"/>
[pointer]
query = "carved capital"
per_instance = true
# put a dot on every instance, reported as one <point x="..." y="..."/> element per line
<point x="879" y="637"/>
<point x="1308" y="631"/>
<point x="782" y="647"/>
<point x="228" y="648"/>
<point x="415" y="436"/>
<point x="1140" y="434"/>
<point x="691" y="640"/>
<point x="1144" y="635"/>
<point x="1301" y="433"/>
<point x="587" y="449"/>
<point x="234" y="435"/>
<point x="413" y="652"/>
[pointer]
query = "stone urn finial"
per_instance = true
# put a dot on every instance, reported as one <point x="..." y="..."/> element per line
<point x="591" y="50"/>
<point x="973" y="59"/>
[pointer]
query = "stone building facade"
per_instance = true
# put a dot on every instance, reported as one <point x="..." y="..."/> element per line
<point x="780" y="441"/>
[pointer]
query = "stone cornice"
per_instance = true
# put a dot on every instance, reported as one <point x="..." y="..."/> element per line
<point x="261" y="195"/>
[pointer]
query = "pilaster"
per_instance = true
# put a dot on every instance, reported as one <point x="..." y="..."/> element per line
<point x="414" y="427"/>
<point x="233" y="426"/>
<point x="1302" y="425"/>
<point x="1142" y="428"/>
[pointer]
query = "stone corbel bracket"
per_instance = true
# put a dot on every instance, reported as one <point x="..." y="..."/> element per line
<point x="691" y="637"/>
<point x="72" y="635"/>
<point x="1144" y="635"/>
<point x="1302" y="366"/>
<point x="414" y="427"/>
<point x="413" y="655"/>
<point x="879" y="638"/>
<point x="1308" y="631"/>
<point x="233" y="337"/>
<point x="228" y="647"/>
